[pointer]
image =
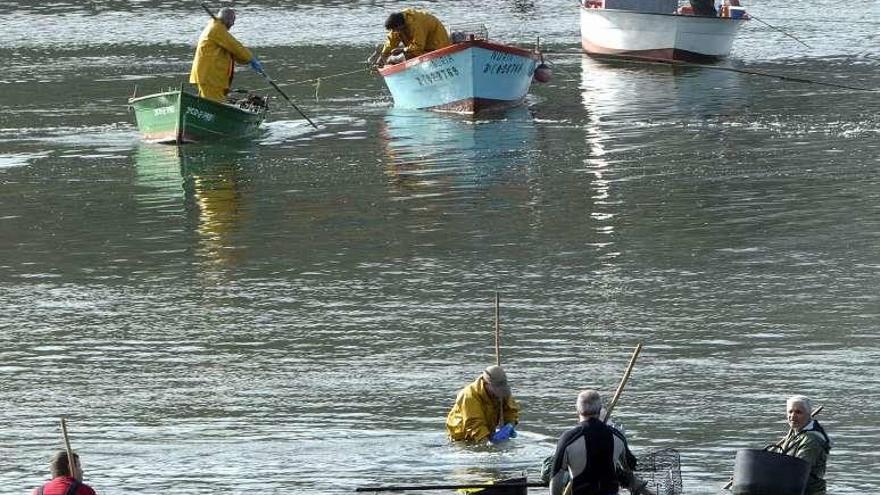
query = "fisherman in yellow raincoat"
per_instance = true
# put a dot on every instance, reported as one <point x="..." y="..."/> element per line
<point x="419" y="31"/>
<point x="481" y="407"/>
<point x="215" y="58"/>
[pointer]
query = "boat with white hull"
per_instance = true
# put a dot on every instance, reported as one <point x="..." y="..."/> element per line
<point x="656" y="30"/>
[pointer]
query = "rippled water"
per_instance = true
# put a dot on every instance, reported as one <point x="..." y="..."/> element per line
<point x="297" y="313"/>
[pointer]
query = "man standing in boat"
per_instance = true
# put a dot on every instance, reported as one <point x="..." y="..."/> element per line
<point x="704" y="8"/>
<point x="481" y="407"/>
<point x="216" y="54"/>
<point x="807" y="440"/>
<point x="593" y="457"/>
<point x="62" y="482"/>
<point x="418" y="31"/>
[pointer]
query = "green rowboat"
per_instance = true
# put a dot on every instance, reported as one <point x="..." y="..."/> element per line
<point x="179" y="117"/>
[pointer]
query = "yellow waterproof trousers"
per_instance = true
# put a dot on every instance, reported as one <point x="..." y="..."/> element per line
<point x="214" y="93"/>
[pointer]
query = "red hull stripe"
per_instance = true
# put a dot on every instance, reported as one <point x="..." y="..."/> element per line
<point x="457" y="47"/>
<point x="470" y="106"/>
<point x="656" y="54"/>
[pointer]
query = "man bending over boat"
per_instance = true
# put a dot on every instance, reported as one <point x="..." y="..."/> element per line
<point x="418" y="31"/>
<point x="807" y="440"/>
<point x="62" y="482"/>
<point x="216" y="54"/>
<point x="481" y="407"/>
<point x="593" y="457"/>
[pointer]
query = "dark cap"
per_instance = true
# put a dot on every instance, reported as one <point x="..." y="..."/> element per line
<point x="496" y="378"/>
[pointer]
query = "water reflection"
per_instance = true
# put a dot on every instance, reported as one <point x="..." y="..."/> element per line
<point x="623" y="90"/>
<point x="434" y="154"/>
<point x="213" y="184"/>
<point x="204" y="183"/>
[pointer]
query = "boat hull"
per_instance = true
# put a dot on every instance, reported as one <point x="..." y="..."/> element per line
<point x="469" y="77"/>
<point x="656" y="36"/>
<point x="179" y="117"/>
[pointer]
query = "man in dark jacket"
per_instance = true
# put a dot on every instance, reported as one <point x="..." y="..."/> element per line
<point x="62" y="482"/>
<point x="807" y="440"/>
<point x="704" y="8"/>
<point x="594" y="455"/>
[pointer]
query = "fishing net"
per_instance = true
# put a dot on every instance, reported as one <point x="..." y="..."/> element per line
<point x="248" y="101"/>
<point x="662" y="470"/>
<point x="464" y="32"/>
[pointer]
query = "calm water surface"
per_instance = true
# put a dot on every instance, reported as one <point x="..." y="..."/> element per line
<point x="296" y="314"/>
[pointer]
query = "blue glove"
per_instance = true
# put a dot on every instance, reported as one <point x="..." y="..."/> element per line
<point x="503" y="434"/>
<point x="256" y="65"/>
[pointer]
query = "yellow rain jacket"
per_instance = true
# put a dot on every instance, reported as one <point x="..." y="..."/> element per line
<point x="216" y="53"/>
<point x="423" y="33"/>
<point x="474" y="416"/>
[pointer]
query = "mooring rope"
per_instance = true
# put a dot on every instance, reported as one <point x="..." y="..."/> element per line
<point x="720" y="67"/>
<point x="316" y="80"/>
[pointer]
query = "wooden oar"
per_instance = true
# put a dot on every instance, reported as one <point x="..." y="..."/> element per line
<point x="71" y="462"/>
<point x="779" y="443"/>
<point x="445" y="487"/>
<point x="270" y="81"/>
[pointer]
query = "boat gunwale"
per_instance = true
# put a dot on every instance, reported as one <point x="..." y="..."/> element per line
<point x="674" y="14"/>
<point x="181" y="92"/>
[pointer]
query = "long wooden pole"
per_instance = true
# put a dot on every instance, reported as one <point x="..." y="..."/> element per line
<point x="270" y="81"/>
<point x="497" y="329"/>
<point x="622" y="384"/>
<point x="71" y="462"/>
<point x="777" y="444"/>
<point x="617" y="393"/>
<point x="498" y="352"/>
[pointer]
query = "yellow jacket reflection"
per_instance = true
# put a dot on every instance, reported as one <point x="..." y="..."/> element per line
<point x="215" y="59"/>
<point x="474" y="416"/>
<point x="421" y="34"/>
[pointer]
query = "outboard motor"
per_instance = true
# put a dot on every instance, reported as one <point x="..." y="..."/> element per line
<point x="759" y="472"/>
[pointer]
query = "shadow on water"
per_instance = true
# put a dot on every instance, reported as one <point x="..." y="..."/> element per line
<point x="434" y="154"/>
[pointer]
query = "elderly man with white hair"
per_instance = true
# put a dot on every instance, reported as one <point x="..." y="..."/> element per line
<point x="807" y="440"/>
<point x="216" y="54"/>
<point x="593" y="455"/>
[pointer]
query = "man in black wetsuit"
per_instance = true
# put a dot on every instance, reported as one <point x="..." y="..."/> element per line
<point x="594" y="455"/>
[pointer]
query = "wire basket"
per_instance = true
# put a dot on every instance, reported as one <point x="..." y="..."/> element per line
<point x="662" y="470"/>
<point x="464" y="32"/>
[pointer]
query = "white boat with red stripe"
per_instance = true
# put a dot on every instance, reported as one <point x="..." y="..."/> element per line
<point x="658" y="30"/>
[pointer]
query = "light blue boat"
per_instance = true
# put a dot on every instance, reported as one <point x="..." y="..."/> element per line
<point x="469" y="77"/>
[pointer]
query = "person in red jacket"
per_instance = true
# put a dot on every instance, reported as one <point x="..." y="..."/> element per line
<point x="62" y="482"/>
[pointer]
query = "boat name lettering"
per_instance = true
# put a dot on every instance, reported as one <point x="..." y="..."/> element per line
<point x="493" y="68"/>
<point x="164" y="110"/>
<point x="440" y="62"/>
<point x="200" y="114"/>
<point x="501" y="56"/>
<point x="437" y="76"/>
